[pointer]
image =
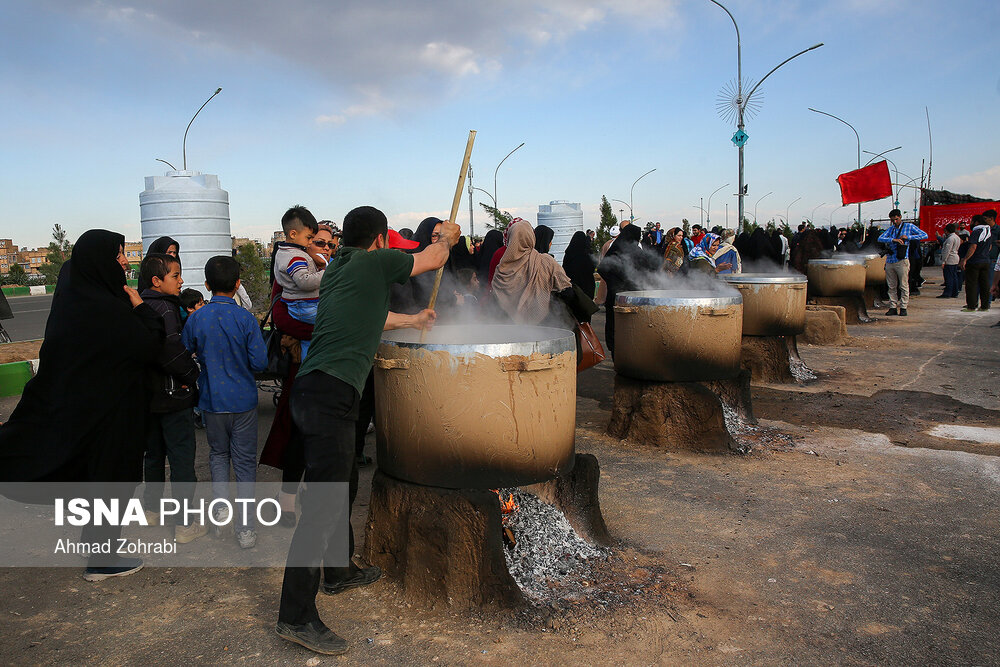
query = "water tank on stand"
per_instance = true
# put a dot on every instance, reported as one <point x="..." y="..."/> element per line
<point x="565" y="218"/>
<point x="191" y="208"/>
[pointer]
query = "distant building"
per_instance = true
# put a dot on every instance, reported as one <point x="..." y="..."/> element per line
<point x="32" y="260"/>
<point x="133" y="252"/>
<point x="8" y="255"/>
<point x="277" y="236"/>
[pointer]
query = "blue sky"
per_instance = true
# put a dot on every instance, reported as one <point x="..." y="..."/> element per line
<point x="338" y="104"/>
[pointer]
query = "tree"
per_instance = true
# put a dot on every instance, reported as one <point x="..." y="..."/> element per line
<point x="608" y="220"/>
<point x="686" y="226"/>
<point x="501" y="219"/>
<point x="16" y="276"/>
<point x="60" y="249"/>
<point x="253" y="275"/>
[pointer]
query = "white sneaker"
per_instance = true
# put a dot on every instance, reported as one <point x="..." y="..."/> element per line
<point x="219" y="514"/>
<point x="247" y="538"/>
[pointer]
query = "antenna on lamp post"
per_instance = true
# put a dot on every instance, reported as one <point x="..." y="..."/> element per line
<point x="184" y="142"/>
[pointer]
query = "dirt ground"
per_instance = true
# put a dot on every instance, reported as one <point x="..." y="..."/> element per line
<point x="24" y="351"/>
<point x="864" y="541"/>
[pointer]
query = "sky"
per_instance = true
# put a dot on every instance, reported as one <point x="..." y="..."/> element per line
<point x="339" y="104"/>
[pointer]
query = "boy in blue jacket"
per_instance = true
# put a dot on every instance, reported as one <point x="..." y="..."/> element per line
<point x="230" y="349"/>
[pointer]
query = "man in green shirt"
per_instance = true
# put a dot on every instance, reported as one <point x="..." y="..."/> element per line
<point x="353" y="312"/>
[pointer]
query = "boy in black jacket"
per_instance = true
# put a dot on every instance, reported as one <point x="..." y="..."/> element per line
<point x="170" y="427"/>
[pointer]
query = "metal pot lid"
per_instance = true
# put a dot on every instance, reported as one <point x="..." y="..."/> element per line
<point x="685" y="298"/>
<point x="858" y="261"/>
<point x="765" y="278"/>
<point x="493" y="340"/>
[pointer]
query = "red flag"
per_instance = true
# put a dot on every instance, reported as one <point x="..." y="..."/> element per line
<point x="865" y="184"/>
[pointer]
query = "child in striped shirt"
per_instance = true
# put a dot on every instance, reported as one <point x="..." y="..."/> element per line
<point x="297" y="268"/>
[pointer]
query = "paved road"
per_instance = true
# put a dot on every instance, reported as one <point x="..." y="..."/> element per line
<point x="30" y="314"/>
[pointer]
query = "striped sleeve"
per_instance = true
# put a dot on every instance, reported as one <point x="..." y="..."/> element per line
<point x="296" y="264"/>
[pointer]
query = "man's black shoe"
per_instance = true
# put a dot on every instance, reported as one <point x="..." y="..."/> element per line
<point x="360" y="577"/>
<point x="994" y="326"/>
<point x="943" y="296"/>
<point x="902" y="311"/>
<point x="891" y="311"/>
<point x="123" y="568"/>
<point x="314" y="636"/>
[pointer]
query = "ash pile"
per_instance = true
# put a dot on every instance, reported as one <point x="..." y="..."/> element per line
<point x="749" y="436"/>
<point x="545" y="556"/>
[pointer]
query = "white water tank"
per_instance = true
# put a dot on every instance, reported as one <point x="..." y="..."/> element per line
<point x="192" y="209"/>
<point x="565" y="218"/>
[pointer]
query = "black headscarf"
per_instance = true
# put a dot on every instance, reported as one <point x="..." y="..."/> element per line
<point x="492" y="242"/>
<point x="81" y="418"/>
<point x="424" y="231"/>
<point x="161" y="245"/>
<point x="579" y="263"/>
<point x="415" y="294"/>
<point x="623" y="269"/>
<point x="460" y="256"/>
<point x="543" y="238"/>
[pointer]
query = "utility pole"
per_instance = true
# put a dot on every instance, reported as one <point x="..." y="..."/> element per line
<point x="472" y="224"/>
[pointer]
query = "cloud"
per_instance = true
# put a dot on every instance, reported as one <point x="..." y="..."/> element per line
<point x="980" y="184"/>
<point x="372" y="49"/>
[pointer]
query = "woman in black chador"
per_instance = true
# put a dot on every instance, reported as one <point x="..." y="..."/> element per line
<point x="81" y="418"/>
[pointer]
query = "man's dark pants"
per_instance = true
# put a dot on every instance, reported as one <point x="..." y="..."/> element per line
<point x="977" y="285"/>
<point x="951" y="284"/>
<point x="324" y="412"/>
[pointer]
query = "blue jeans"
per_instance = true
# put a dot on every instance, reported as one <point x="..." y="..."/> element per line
<point x="951" y="283"/>
<point x="303" y="310"/>
<point x="232" y="436"/>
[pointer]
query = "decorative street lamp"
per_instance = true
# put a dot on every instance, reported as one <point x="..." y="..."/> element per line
<point x="738" y="104"/>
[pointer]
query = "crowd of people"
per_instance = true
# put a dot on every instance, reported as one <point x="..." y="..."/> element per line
<point x="157" y="357"/>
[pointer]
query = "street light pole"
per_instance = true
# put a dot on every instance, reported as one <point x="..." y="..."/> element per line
<point x="184" y="142"/>
<point x="495" y="171"/>
<point x="788" y="207"/>
<point x="632" y="189"/>
<point x="623" y="210"/>
<point x="755" y="208"/>
<point x="472" y="223"/>
<point x="742" y="101"/>
<point x="708" y="215"/>
<point x="856" y="136"/>
<point x="812" y="216"/>
<point x="878" y="155"/>
<point x="701" y="200"/>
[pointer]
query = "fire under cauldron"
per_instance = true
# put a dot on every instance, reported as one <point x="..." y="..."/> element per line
<point x="678" y="335"/>
<point x="773" y="304"/>
<point x="472" y="408"/>
<point x="476" y="407"/>
<point x="837" y="277"/>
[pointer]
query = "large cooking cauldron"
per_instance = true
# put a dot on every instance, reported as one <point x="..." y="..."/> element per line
<point x="836" y="277"/>
<point x="678" y="335"/>
<point x="476" y="406"/>
<point x="874" y="266"/>
<point x="773" y="304"/>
